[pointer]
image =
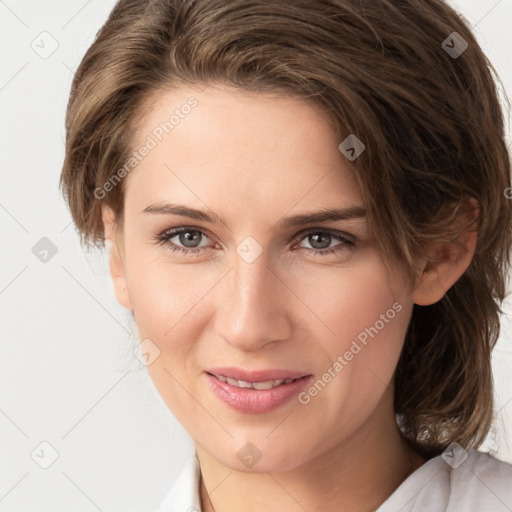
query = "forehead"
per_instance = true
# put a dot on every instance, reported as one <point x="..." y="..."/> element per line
<point x="225" y="145"/>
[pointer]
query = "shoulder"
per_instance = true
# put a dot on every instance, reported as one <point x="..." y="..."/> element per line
<point x="455" y="481"/>
<point x="184" y="493"/>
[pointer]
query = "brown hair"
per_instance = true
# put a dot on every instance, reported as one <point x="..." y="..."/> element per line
<point x="430" y="120"/>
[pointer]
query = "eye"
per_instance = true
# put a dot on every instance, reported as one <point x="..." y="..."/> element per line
<point x="188" y="240"/>
<point x="320" y="241"/>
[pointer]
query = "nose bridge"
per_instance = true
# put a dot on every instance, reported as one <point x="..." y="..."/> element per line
<point x="254" y="308"/>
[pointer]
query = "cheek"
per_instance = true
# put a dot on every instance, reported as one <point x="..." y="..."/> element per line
<point x="370" y="319"/>
<point x="164" y="296"/>
<point x="360" y="303"/>
<point x="171" y="308"/>
<point x="168" y="309"/>
<point x="369" y="312"/>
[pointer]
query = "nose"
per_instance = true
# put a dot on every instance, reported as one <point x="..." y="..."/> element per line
<point x="254" y="305"/>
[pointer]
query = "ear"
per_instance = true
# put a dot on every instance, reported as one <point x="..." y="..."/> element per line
<point x="117" y="271"/>
<point x="446" y="262"/>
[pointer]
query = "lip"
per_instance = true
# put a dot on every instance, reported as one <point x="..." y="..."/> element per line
<point x="257" y="401"/>
<point x="256" y="375"/>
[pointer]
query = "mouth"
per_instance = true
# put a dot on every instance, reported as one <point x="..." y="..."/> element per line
<point x="256" y="392"/>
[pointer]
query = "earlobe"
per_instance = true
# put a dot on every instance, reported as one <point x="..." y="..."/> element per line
<point x="448" y="261"/>
<point x="116" y="264"/>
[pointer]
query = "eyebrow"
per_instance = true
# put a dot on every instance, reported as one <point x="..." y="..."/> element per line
<point x="325" y="215"/>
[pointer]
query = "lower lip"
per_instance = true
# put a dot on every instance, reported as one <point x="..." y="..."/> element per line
<point x="256" y="400"/>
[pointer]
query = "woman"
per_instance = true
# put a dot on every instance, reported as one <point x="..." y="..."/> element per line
<point x="306" y="206"/>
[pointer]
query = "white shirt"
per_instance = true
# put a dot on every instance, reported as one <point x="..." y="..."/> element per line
<point x="479" y="484"/>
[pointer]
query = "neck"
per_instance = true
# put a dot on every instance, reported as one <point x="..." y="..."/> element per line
<point x="358" y="474"/>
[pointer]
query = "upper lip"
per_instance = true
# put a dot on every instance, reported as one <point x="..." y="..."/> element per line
<point x="256" y="375"/>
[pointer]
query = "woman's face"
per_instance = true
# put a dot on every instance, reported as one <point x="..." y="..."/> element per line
<point x="251" y="288"/>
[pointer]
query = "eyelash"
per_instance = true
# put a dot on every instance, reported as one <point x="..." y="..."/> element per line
<point x="164" y="237"/>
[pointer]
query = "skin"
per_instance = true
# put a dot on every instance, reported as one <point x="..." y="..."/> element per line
<point x="253" y="160"/>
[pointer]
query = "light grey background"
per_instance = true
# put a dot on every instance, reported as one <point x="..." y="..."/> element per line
<point x="67" y="373"/>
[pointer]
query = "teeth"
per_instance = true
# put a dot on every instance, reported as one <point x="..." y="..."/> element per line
<point x="268" y="384"/>
<point x="239" y="383"/>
